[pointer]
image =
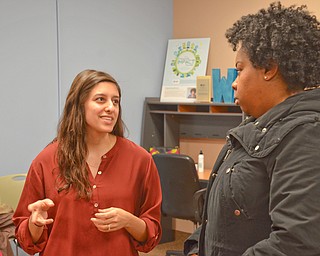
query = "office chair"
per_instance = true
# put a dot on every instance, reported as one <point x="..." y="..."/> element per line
<point x="182" y="195"/>
<point x="10" y="190"/>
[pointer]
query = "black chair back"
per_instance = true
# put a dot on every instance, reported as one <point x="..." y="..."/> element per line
<point x="179" y="182"/>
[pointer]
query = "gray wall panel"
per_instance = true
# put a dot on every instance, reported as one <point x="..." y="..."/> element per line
<point x="127" y="39"/>
<point x="40" y="55"/>
<point x="28" y="66"/>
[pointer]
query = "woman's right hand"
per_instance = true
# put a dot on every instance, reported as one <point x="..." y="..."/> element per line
<point x="39" y="212"/>
<point x="39" y="217"/>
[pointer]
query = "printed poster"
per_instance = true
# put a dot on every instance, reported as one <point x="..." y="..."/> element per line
<point x="186" y="59"/>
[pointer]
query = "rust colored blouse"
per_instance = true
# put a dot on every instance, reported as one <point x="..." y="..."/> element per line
<point x="127" y="178"/>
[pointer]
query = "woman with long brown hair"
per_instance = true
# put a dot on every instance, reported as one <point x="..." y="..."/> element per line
<point x="91" y="191"/>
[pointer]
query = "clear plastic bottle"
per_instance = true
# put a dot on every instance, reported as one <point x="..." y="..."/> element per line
<point x="200" y="161"/>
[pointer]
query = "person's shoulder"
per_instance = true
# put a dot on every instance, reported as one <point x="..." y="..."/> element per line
<point x="48" y="152"/>
<point x="132" y="146"/>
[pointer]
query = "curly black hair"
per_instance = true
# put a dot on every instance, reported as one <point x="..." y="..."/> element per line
<point x="288" y="37"/>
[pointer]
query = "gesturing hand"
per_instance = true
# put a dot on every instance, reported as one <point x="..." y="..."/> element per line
<point x="39" y="212"/>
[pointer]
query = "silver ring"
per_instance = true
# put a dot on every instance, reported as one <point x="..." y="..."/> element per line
<point x="109" y="227"/>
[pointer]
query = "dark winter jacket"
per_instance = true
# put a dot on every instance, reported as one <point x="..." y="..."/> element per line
<point x="265" y="198"/>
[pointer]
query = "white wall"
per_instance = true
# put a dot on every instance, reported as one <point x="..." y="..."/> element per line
<point x="45" y="43"/>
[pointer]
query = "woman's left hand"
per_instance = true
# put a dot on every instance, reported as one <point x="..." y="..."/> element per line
<point x="111" y="219"/>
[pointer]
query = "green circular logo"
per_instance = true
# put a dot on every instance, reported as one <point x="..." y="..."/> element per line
<point x="186" y="60"/>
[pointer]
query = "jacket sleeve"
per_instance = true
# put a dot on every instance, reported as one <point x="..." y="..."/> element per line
<point x="294" y="196"/>
<point x="191" y="245"/>
<point x="192" y="242"/>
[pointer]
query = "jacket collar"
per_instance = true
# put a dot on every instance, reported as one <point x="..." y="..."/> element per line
<point x="262" y="135"/>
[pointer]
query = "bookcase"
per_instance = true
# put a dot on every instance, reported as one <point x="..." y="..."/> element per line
<point x="166" y="123"/>
<point x="190" y="126"/>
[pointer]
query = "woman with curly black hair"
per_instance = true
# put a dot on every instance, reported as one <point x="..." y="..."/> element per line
<point x="263" y="194"/>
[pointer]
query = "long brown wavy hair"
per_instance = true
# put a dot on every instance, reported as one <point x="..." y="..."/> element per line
<point x="71" y="136"/>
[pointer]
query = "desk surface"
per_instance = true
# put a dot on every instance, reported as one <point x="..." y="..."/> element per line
<point x="204" y="175"/>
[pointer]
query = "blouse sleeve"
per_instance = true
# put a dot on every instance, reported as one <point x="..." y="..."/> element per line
<point x="151" y="208"/>
<point x="31" y="192"/>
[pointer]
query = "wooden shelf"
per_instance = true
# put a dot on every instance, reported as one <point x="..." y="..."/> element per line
<point x="194" y="108"/>
<point x="164" y="123"/>
<point x="195" y="113"/>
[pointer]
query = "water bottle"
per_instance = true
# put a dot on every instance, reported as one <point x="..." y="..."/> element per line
<point x="200" y="161"/>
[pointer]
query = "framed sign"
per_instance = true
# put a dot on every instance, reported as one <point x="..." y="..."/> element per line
<point x="186" y="60"/>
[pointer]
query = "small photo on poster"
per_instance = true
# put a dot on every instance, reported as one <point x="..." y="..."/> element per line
<point x="192" y="93"/>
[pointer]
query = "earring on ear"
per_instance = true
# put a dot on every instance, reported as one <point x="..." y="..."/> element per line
<point x="265" y="78"/>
